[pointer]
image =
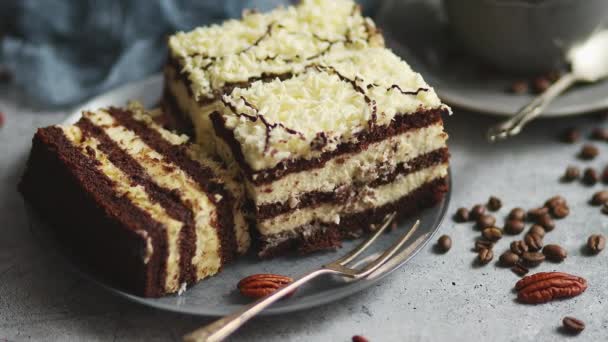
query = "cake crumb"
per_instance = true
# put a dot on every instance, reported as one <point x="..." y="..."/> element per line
<point x="182" y="289"/>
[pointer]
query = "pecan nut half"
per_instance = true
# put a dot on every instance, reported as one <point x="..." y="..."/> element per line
<point x="260" y="285"/>
<point x="546" y="286"/>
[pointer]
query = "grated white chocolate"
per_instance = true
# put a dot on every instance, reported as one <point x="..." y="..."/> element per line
<point x="284" y="40"/>
<point x="328" y="104"/>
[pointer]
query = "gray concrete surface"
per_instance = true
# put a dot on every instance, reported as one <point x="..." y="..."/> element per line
<point x="433" y="298"/>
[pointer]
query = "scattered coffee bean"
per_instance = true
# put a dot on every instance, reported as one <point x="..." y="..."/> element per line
<point x="605" y="175"/>
<point x="573" y="325"/>
<point x="534" y="214"/>
<point x="555" y="201"/>
<point x="492" y="233"/>
<point x="599" y="133"/>
<point x="605" y="208"/>
<point x="494" y="203"/>
<point x="514" y="227"/>
<point x="485" y="256"/>
<point x="444" y="243"/>
<point x="540" y="84"/>
<point x="590" y="176"/>
<point x="538" y="230"/>
<point x="485" y="221"/>
<point x="359" y="338"/>
<point x="508" y="259"/>
<point x="533" y="259"/>
<point x="555" y="253"/>
<point x="572" y="173"/>
<point x="462" y="215"/>
<point x="517" y="214"/>
<point x="519" y="247"/>
<point x="483" y="244"/>
<point x="570" y="135"/>
<point x="596" y="243"/>
<point x="534" y="242"/>
<point x="1" y="119"/>
<point x="588" y="152"/>
<point x="600" y="197"/>
<point x="520" y="270"/>
<point x="477" y="211"/>
<point x="560" y="211"/>
<point x="546" y="222"/>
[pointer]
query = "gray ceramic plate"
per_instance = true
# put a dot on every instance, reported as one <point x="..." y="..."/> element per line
<point x="217" y="296"/>
<point x="417" y="30"/>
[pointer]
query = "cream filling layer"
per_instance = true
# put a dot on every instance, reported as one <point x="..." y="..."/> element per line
<point x="353" y="168"/>
<point x="365" y="198"/>
<point x="138" y="196"/>
<point x="199" y="115"/>
<point x="206" y="259"/>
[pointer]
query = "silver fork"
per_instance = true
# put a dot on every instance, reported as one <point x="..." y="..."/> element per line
<point x="222" y="328"/>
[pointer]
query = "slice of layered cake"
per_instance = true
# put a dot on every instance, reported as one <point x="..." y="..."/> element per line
<point x="137" y="203"/>
<point x="331" y="150"/>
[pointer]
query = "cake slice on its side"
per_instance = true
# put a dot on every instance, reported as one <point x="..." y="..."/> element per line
<point x="136" y="202"/>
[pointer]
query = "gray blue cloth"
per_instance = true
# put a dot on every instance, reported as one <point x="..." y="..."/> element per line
<point x="60" y="52"/>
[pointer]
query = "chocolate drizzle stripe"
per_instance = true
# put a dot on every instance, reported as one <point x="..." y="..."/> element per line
<point x="166" y="198"/>
<point x="340" y="194"/>
<point x="400" y="124"/>
<point x="202" y="175"/>
<point x="93" y="192"/>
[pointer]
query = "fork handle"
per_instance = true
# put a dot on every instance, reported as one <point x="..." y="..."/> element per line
<point x="532" y="110"/>
<point x="223" y="327"/>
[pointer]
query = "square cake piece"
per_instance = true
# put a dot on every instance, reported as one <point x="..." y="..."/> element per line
<point x="137" y="203"/>
<point x="329" y="130"/>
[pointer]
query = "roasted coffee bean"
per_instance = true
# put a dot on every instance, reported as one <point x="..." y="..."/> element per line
<point x="555" y="201"/>
<point x="534" y="214"/>
<point x="485" y="221"/>
<point x="605" y="175"/>
<point x="588" y="152"/>
<point x="540" y="84"/>
<point x="532" y="259"/>
<point x="596" y="243"/>
<point x="555" y="253"/>
<point x="485" y="256"/>
<point x="444" y="243"/>
<point x="520" y="270"/>
<point x="534" y="242"/>
<point x="508" y="259"/>
<point x="514" y="227"/>
<point x="477" y="211"/>
<point x="605" y="208"/>
<point x="359" y="338"/>
<point x="492" y="233"/>
<point x="600" y="197"/>
<point x="538" y="230"/>
<point x="519" y="247"/>
<point x="599" y="133"/>
<point x="546" y="222"/>
<point x="519" y="87"/>
<point x="590" y="176"/>
<point x="494" y="203"/>
<point x="517" y="214"/>
<point x="483" y="244"/>
<point x="560" y="211"/>
<point x="462" y="215"/>
<point x="572" y="173"/>
<point x="573" y="325"/>
<point x="571" y="135"/>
